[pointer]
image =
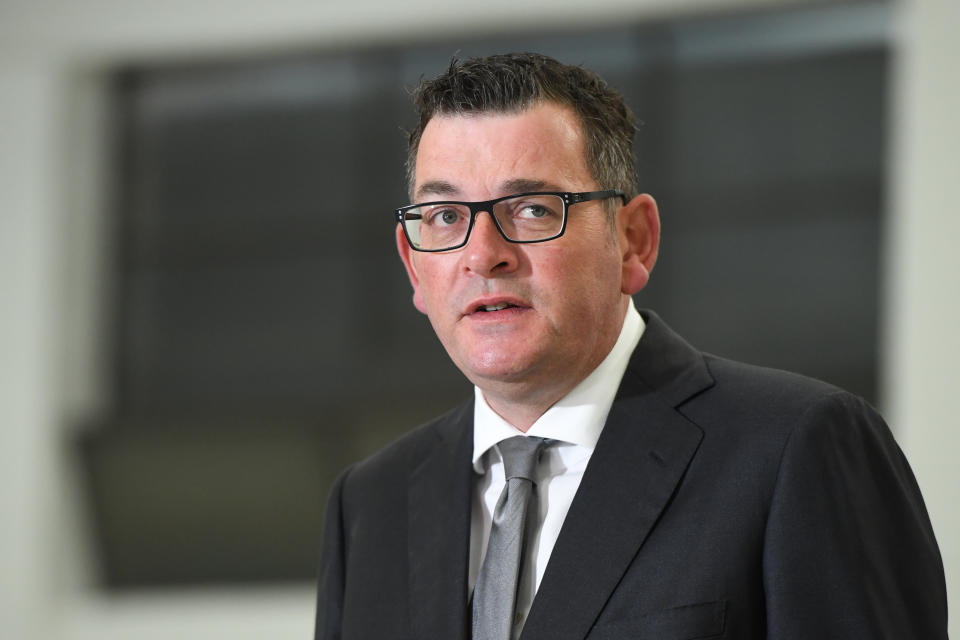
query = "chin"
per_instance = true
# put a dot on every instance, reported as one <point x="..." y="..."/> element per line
<point x="501" y="367"/>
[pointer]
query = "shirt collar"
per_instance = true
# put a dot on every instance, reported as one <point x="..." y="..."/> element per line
<point x="579" y="416"/>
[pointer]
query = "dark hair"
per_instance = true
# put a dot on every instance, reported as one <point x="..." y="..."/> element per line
<point x="513" y="82"/>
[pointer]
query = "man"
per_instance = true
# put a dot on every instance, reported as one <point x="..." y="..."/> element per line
<point x="666" y="494"/>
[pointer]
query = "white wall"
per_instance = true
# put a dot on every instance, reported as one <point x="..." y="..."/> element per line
<point x="52" y="53"/>
<point x="922" y="318"/>
<point x="28" y="99"/>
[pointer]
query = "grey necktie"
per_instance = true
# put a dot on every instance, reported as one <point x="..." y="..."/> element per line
<point x="495" y="595"/>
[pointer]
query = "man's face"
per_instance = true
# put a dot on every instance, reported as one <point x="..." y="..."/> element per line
<point x="523" y="317"/>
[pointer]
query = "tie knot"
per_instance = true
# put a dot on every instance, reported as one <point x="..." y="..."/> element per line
<point x="520" y="455"/>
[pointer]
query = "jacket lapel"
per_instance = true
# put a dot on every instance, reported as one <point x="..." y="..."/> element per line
<point x="438" y="531"/>
<point x="641" y="457"/>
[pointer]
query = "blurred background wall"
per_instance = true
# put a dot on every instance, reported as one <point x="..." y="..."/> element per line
<point x="82" y="235"/>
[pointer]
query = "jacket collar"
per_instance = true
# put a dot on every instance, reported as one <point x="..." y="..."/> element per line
<point x="641" y="457"/>
<point x="438" y="530"/>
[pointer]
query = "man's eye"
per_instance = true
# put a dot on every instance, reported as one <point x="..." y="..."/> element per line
<point x="442" y="217"/>
<point x="534" y="212"/>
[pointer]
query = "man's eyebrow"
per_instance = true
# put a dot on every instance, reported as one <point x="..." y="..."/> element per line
<point x="444" y="189"/>
<point x="436" y="188"/>
<point x="522" y="185"/>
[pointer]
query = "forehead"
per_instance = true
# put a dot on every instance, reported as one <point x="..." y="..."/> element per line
<point x="481" y="152"/>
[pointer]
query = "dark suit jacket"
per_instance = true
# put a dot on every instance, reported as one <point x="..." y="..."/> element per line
<point x="722" y="501"/>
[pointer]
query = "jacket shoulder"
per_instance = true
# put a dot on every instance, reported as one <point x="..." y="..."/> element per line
<point x="758" y="411"/>
<point x="773" y="387"/>
<point x="393" y="462"/>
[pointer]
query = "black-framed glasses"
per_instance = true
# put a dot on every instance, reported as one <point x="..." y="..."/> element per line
<point x="524" y="217"/>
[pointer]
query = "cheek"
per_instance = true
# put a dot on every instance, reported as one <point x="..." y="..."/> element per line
<point x="580" y="289"/>
<point x="591" y="270"/>
<point x="432" y="292"/>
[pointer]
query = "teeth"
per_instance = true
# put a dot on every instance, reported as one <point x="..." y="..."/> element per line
<point x="496" y="307"/>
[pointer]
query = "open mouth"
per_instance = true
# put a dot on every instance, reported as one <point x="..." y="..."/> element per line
<point x="495" y="307"/>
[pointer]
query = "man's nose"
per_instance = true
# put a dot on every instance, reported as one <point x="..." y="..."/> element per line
<point x="488" y="253"/>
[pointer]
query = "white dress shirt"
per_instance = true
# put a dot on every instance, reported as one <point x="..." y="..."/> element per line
<point x="575" y="422"/>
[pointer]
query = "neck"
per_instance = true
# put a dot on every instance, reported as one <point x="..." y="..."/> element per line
<point x="521" y="413"/>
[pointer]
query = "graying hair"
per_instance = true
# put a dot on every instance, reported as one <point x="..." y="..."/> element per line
<point x="514" y="82"/>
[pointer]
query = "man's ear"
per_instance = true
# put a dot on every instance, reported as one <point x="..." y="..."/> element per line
<point x="406" y="256"/>
<point x="638" y="232"/>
